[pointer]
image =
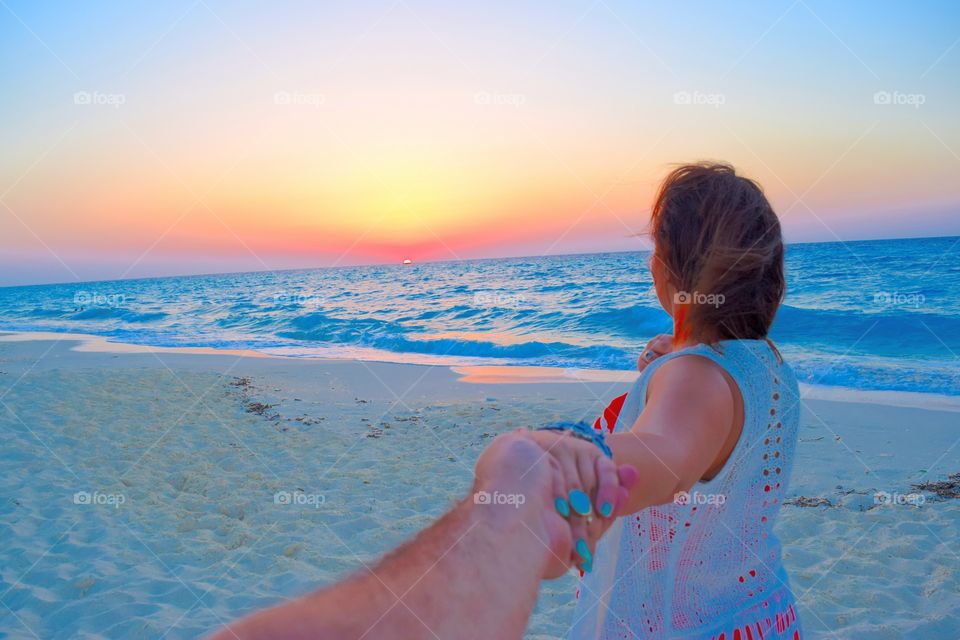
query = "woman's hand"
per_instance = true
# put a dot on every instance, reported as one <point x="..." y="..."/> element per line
<point x="589" y="488"/>
<point x="658" y="346"/>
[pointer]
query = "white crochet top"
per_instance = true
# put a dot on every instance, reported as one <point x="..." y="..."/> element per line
<point x="708" y="565"/>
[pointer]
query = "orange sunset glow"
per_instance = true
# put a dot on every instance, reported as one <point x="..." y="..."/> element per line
<point x="246" y="140"/>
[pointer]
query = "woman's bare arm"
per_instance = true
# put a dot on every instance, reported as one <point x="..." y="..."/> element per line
<point x="686" y="421"/>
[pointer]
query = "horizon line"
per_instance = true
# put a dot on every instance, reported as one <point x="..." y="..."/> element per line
<point x="400" y="264"/>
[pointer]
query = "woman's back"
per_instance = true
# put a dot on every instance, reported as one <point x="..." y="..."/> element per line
<point x="708" y="565"/>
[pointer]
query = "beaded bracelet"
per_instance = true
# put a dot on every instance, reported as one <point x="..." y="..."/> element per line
<point x="583" y="431"/>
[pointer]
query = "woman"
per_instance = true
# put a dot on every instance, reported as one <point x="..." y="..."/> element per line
<point x="711" y="427"/>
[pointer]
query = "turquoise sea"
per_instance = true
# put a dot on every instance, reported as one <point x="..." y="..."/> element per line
<point x="879" y="315"/>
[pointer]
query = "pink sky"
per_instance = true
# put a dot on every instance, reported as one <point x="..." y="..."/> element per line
<point x="212" y="139"/>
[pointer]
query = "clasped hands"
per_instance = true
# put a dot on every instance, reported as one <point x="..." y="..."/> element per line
<point x="552" y="485"/>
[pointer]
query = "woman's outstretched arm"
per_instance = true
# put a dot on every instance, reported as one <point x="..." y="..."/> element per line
<point x="684" y="431"/>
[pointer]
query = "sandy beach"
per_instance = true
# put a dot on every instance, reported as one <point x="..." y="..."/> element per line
<point x="155" y="493"/>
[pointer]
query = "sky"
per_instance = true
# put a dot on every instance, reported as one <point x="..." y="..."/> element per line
<point x="144" y="139"/>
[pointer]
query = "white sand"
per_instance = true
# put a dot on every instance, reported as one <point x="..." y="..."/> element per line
<point x="374" y="452"/>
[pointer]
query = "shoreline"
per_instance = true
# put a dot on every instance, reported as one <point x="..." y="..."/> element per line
<point x="487" y="374"/>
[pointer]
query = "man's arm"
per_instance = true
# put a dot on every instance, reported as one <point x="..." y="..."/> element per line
<point x="474" y="574"/>
<point x="457" y="579"/>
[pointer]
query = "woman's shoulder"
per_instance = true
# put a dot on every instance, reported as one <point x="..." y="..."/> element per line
<point x="690" y="375"/>
<point x="701" y="367"/>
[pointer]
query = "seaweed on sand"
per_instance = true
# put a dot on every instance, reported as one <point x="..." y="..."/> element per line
<point x="259" y="408"/>
<point x="804" y="501"/>
<point x="949" y="488"/>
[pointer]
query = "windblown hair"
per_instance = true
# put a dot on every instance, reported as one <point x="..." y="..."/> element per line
<point x="721" y="244"/>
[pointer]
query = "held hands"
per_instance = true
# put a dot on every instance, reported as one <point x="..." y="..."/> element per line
<point x="568" y="493"/>
<point x="661" y="345"/>
<point x="589" y="489"/>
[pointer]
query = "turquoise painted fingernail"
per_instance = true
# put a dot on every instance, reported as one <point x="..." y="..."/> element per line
<point x="580" y="502"/>
<point x="606" y="510"/>
<point x="584" y="552"/>
<point x="562" y="507"/>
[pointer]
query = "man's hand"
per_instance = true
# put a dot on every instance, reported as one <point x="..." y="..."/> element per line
<point x="541" y="468"/>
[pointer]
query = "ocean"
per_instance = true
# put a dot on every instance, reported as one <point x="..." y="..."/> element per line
<point x="872" y="315"/>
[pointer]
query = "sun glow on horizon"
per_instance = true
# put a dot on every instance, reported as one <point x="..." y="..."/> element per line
<point x="285" y="136"/>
